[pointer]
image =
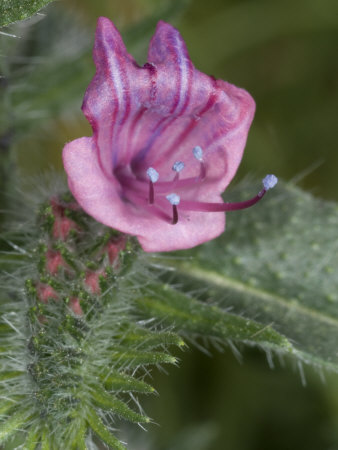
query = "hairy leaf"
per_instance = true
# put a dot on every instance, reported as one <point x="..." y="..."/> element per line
<point x="14" y="10"/>
<point x="74" y="353"/>
<point x="109" y="402"/>
<point x="124" y="383"/>
<point x="99" y="428"/>
<point x="32" y="440"/>
<point x="275" y="264"/>
<point x="193" y="317"/>
<point x="17" y="420"/>
<point x="45" y="442"/>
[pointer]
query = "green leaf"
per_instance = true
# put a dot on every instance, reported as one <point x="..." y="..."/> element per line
<point x="6" y="406"/>
<point x="32" y="440"/>
<point x="193" y="317"/>
<point x="14" y="10"/>
<point x="45" y="443"/>
<point x="110" y="402"/>
<point x="102" y="431"/>
<point x="121" y="382"/>
<point x="147" y="340"/>
<point x="276" y="264"/>
<point x="15" y="422"/>
<point x="4" y="328"/>
<point x="9" y="374"/>
<point x="77" y="440"/>
<point x="132" y="359"/>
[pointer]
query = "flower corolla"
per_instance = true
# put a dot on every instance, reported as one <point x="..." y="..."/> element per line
<point x="167" y="140"/>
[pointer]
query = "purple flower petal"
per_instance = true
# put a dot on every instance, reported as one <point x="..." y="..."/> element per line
<point x="100" y="198"/>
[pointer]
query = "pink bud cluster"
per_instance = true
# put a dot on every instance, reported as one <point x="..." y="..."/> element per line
<point x="63" y="225"/>
<point x="111" y="250"/>
<point x="56" y="265"/>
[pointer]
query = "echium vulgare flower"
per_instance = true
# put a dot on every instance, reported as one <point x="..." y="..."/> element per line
<point x="167" y="140"/>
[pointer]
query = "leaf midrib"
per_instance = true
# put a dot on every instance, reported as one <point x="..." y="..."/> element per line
<point x="227" y="282"/>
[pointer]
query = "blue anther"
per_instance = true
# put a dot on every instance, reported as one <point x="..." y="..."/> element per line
<point x="178" y="166"/>
<point x="198" y="153"/>
<point x="173" y="199"/>
<point x="152" y="174"/>
<point x="269" y="182"/>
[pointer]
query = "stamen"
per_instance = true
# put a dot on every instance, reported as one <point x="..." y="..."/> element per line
<point x="177" y="167"/>
<point x="153" y="176"/>
<point x="174" y="200"/>
<point x="268" y="183"/>
<point x="198" y="154"/>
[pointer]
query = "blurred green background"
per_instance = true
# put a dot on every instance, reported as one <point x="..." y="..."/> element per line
<point x="285" y="54"/>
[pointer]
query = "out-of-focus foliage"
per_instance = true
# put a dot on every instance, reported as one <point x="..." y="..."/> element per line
<point x="282" y="52"/>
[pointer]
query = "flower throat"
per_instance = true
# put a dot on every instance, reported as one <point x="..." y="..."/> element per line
<point x="154" y="194"/>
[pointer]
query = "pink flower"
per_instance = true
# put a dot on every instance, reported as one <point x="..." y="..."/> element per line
<point x="167" y="140"/>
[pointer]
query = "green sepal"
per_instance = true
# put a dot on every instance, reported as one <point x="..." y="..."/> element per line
<point x="30" y="288"/>
<point x="16" y="421"/>
<point x="100" y="242"/>
<point x="147" y="340"/>
<point x="32" y="440"/>
<point x="95" y="422"/>
<point x="41" y="251"/>
<point x="66" y="255"/>
<point x="7" y="405"/>
<point x="122" y="357"/>
<point x="108" y="401"/>
<point x="77" y="440"/>
<point x="8" y="374"/>
<point x="45" y="441"/>
<point x="46" y="218"/>
<point x="121" y="382"/>
<point x="127" y="256"/>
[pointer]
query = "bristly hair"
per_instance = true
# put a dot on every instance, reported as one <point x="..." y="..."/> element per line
<point x="74" y="351"/>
